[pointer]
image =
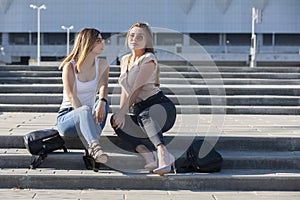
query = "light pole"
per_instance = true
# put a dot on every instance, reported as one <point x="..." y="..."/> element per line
<point x="38" y="29"/>
<point x="3" y="52"/>
<point x="253" y="38"/>
<point x="68" y="36"/>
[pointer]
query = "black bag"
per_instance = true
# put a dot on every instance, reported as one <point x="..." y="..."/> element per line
<point x="41" y="142"/>
<point x="211" y="162"/>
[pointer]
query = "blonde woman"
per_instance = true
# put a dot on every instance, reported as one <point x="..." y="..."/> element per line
<point x="153" y="113"/>
<point x="84" y="75"/>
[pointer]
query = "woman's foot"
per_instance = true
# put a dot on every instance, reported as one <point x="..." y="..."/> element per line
<point x="150" y="157"/>
<point x="96" y="152"/>
<point x="165" y="161"/>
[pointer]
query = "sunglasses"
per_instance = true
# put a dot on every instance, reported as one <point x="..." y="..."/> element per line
<point x="99" y="40"/>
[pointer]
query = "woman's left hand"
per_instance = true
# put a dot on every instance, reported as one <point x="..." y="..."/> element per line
<point x="100" y="112"/>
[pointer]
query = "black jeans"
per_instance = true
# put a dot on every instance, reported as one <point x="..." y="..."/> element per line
<point x="150" y="119"/>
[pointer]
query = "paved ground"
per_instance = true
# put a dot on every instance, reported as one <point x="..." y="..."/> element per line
<point x="229" y="125"/>
<point x="223" y="125"/>
<point x="143" y="194"/>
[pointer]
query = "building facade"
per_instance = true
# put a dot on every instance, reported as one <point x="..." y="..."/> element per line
<point x="187" y="28"/>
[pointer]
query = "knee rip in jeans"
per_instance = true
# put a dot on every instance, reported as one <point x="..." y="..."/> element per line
<point x="85" y="108"/>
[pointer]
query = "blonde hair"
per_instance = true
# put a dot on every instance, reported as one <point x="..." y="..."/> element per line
<point x="83" y="45"/>
<point x="149" y="36"/>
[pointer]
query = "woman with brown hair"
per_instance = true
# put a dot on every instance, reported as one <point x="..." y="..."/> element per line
<point x="84" y="75"/>
<point x="152" y="112"/>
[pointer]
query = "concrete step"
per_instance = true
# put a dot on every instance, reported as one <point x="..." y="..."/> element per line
<point x="179" y="140"/>
<point x="211" y="68"/>
<point x="27" y="68"/>
<point x="130" y="162"/>
<point x="190" y="81"/>
<point x="209" y="75"/>
<point x="30" y="80"/>
<point x="233" y="100"/>
<point x="181" y="109"/>
<point x="30" y="74"/>
<point x="225" y="81"/>
<point x="291" y="90"/>
<point x="163" y="68"/>
<point x="168" y="74"/>
<point x="237" y="180"/>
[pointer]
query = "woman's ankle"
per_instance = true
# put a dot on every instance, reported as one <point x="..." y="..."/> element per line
<point x="163" y="155"/>
<point x="146" y="153"/>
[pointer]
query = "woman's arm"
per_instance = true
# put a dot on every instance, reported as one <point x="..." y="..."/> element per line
<point x="100" y="111"/>
<point x="103" y="81"/>
<point x="142" y="78"/>
<point x="68" y="77"/>
<point x="123" y="98"/>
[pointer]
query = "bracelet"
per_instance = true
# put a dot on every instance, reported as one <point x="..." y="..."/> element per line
<point x="103" y="99"/>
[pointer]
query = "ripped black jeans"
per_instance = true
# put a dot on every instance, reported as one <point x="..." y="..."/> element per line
<point x="149" y="120"/>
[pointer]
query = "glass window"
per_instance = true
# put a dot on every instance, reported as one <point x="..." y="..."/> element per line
<point x="72" y="38"/>
<point x="121" y="39"/>
<point x="169" y="38"/>
<point x="287" y="39"/>
<point x="1" y="39"/>
<point x="267" y="39"/>
<point x="106" y="37"/>
<point x="55" y="38"/>
<point x="204" y="39"/>
<point x="238" y="39"/>
<point x="19" y="39"/>
<point x="33" y="38"/>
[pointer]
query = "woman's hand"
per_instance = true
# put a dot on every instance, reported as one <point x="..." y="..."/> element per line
<point x="100" y="112"/>
<point x="118" y="120"/>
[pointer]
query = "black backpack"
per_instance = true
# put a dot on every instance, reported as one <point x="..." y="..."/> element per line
<point x="191" y="162"/>
<point x="41" y="142"/>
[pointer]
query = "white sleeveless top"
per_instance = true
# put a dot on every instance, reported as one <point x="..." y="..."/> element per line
<point x="86" y="91"/>
<point x="127" y="78"/>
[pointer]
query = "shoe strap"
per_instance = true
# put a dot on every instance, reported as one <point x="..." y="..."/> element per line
<point x="95" y="149"/>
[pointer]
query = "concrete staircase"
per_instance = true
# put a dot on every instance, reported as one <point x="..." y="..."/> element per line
<point x="250" y="162"/>
<point x="253" y="159"/>
<point x="203" y="89"/>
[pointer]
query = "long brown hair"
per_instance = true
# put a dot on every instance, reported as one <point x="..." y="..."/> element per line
<point x="149" y="36"/>
<point x="83" y="45"/>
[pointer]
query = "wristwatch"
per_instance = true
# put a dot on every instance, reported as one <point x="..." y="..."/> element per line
<point x="103" y="99"/>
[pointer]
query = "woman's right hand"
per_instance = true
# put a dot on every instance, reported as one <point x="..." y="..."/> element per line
<point x="118" y="120"/>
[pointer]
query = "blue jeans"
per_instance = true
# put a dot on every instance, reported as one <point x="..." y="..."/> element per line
<point x="150" y="124"/>
<point x="81" y="123"/>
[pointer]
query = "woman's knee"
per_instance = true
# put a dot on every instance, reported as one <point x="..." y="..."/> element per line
<point x="83" y="111"/>
<point x="84" y="108"/>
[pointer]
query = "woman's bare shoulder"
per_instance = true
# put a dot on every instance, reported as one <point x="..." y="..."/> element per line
<point x="103" y="62"/>
<point x="68" y="66"/>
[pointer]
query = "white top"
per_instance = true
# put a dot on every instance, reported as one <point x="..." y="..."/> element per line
<point x="127" y="78"/>
<point x="86" y="91"/>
